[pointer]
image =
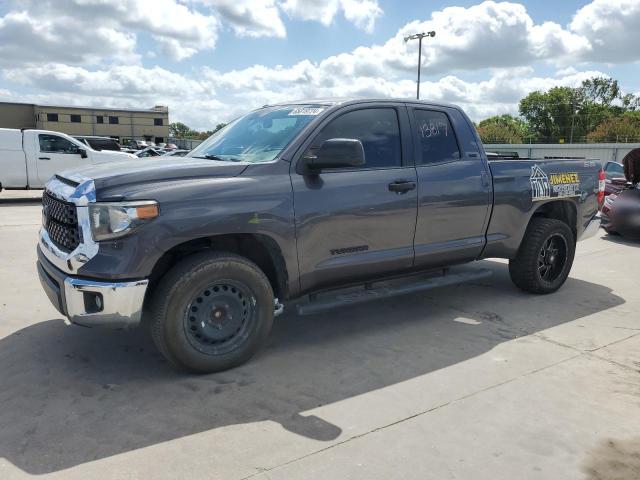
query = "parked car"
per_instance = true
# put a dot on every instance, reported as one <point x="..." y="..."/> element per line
<point x="621" y="209"/>
<point x="100" y="143"/>
<point x="135" y="144"/>
<point x="615" y="180"/>
<point x="28" y="158"/>
<point x="210" y="246"/>
<point x="171" y="146"/>
<point x="175" y="153"/>
<point x="148" y="152"/>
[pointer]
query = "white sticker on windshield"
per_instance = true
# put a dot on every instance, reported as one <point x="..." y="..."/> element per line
<point x="306" y="111"/>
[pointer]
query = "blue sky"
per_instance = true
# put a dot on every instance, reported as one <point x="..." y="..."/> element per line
<point x="209" y="60"/>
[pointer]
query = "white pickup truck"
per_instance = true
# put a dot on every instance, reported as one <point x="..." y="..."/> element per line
<point x="28" y="158"/>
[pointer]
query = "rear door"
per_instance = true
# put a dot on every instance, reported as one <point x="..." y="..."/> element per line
<point x="55" y="153"/>
<point x="355" y="223"/>
<point x="454" y="188"/>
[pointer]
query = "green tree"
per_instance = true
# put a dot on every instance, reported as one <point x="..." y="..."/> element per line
<point x="180" y="130"/>
<point x="551" y="115"/>
<point x="572" y="113"/>
<point x="502" y="129"/>
<point x="624" y="128"/>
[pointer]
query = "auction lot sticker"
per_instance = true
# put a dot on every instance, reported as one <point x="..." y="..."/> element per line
<point x="555" y="185"/>
<point x="306" y="111"/>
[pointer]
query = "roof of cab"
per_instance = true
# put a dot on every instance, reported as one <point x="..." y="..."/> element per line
<point x="335" y="101"/>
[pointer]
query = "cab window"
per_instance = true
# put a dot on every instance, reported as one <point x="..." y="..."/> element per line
<point x="376" y="128"/>
<point x="56" y="144"/>
<point x="437" y="139"/>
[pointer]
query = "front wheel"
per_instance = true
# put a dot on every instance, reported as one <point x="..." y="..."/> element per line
<point x="211" y="312"/>
<point x="545" y="256"/>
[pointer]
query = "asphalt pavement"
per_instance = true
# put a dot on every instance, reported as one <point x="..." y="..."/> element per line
<point x="478" y="381"/>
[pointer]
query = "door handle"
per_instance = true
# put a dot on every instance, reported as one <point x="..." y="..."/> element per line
<point x="401" y="186"/>
<point x="44" y="158"/>
<point x="484" y="179"/>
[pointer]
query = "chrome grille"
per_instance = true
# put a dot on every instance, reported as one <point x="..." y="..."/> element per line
<point x="61" y="222"/>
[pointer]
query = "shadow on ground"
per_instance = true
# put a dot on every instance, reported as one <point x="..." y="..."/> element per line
<point x="70" y="395"/>
<point x="614" y="460"/>
<point x="620" y="240"/>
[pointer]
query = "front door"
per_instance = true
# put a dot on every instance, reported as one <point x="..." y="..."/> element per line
<point x="355" y="223"/>
<point x="55" y="154"/>
<point x="454" y="191"/>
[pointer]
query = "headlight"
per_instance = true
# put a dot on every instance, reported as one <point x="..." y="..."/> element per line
<point x="114" y="220"/>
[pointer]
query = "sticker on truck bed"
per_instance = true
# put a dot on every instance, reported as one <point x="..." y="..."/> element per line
<point x="555" y="185"/>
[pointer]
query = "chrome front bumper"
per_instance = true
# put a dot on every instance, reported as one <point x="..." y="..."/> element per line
<point x="592" y="228"/>
<point x="91" y="302"/>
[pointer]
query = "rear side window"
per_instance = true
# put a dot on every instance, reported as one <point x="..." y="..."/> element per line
<point x="56" y="144"/>
<point x="376" y="128"/>
<point x="437" y="140"/>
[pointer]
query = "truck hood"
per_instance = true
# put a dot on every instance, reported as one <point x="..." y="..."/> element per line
<point x="138" y="171"/>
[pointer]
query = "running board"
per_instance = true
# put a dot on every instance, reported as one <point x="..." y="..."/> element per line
<point x="316" y="305"/>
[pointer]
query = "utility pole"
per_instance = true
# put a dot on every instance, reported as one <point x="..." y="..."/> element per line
<point x="419" y="37"/>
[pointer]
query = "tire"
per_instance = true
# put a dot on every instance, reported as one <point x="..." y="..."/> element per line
<point x="536" y="268"/>
<point x="211" y="312"/>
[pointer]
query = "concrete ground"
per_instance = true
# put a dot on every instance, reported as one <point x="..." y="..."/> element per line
<point x="479" y="381"/>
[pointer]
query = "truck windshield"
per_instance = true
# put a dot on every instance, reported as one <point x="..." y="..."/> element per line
<point x="259" y="136"/>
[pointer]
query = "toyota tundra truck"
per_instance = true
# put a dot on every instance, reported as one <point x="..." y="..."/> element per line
<point x="318" y="204"/>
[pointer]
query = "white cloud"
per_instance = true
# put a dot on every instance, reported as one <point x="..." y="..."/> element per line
<point x="497" y="40"/>
<point x="612" y="28"/>
<point x="91" y="31"/>
<point x="25" y="38"/>
<point x="250" y="18"/>
<point x="362" y="13"/>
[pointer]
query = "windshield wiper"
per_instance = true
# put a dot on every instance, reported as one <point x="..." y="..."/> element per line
<point x="216" y="157"/>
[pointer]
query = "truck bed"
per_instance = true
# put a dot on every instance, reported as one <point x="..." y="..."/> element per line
<point x="521" y="186"/>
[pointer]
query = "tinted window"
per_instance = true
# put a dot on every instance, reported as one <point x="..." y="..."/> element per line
<point x="55" y="144"/>
<point x="76" y="118"/>
<point x="157" y="122"/>
<point x="113" y="120"/>
<point x="376" y="128"/>
<point x="52" y="117"/>
<point x="437" y="140"/>
<point x="614" y="170"/>
<point x="100" y="119"/>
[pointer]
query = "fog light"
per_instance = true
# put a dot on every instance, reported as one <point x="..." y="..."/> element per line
<point x="93" y="302"/>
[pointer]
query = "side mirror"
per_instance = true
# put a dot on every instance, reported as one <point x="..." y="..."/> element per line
<point x="337" y="153"/>
<point x="82" y="152"/>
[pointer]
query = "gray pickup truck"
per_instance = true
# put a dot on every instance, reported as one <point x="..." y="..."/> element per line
<point x="303" y="201"/>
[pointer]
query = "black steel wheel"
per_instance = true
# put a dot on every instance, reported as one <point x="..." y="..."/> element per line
<point x="545" y="256"/>
<point x="219" y="317"/>
<point x="211" y="312"/>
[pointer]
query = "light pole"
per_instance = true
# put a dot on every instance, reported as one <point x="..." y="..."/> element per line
<point x="419" y="37"/>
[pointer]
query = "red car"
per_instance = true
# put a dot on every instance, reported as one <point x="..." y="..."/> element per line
<point x="621" y="210"/>
<point x="615" y="180"/>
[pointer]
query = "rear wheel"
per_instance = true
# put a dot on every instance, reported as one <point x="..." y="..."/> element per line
<point x="211" y="312"/>
<point x="545" y="256"/>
